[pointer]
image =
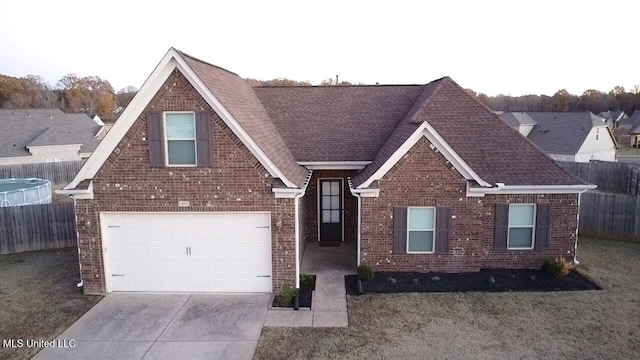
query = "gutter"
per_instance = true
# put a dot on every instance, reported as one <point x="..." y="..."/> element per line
<point x="501" y="188"/>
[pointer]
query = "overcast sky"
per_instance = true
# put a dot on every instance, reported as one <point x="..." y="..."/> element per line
<point x="509" y="47"/>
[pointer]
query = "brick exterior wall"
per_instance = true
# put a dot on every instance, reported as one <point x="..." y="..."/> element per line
<point x="423" y="177"/>
<point x="235" y="182"/>
<point x="310" y="200"/>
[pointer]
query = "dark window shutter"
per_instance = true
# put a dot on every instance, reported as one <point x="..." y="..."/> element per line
<point x="203" y="138"/>
<point x="400" y="230"/>
<point x="502" y="226"/>
<point x="154" y="137"/>
<point x="542" y="226"/>
<point x="442" y="228"/>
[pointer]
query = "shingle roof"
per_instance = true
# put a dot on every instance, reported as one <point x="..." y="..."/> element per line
<point x="21" y="128"/>
<point x="237" y="96"/>
<point x="490" y="147"/>
<point x="562" y="132"/>
<point x="370" y="122"/>
<point x="635" y="123"/>
<point x="337" y="123"/>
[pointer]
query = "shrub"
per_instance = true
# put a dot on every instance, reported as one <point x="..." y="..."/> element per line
<point x="557" y="267"/>
<point x="365" y="272"/>
<point x="287" y="294"/>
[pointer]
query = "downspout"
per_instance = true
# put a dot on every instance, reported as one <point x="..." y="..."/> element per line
<point x="296" y="201"/>
<point x="575" y="249"/>
<point x="359" y="196"/>
<point x="75" y="219"/>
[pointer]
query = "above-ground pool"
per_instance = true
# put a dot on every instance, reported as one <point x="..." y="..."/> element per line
<point x="16" y="192"/>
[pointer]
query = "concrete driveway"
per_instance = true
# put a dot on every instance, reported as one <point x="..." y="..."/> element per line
<point x="166" y="326"/>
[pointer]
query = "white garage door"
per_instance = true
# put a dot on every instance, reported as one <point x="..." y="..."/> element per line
<point x="212" y="252"/>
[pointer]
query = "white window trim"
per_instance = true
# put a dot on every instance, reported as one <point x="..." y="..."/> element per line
<point x="433" y="238"/>
<point x="533" y="227"/>
<point x="166" y="139"/>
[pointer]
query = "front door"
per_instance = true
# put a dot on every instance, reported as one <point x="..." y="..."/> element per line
<point x="330" y="210"/>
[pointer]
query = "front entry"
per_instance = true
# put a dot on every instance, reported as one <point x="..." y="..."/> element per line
<point x="331" y="210"/>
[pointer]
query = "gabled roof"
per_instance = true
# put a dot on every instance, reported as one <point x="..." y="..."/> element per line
<point x="229" y="96"/>
<point x="24" y="128"/>
<point x="517" y="118"/>
<point x="635" y="123"/>
<point x="337" y="123"/>
<point x="237" y="97"/>
<point x="484" y="143"/>
<point x="562" y="132"/>
<point x="285" y="125"/>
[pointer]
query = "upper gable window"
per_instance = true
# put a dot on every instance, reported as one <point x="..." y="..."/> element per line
<point x="180" y="138"/>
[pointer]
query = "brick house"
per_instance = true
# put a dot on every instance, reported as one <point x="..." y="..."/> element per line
<point x="207" y="184"/>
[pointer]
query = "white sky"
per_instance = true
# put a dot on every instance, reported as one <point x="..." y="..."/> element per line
<point x="510" y="47"/>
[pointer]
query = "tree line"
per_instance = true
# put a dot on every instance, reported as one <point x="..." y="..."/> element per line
<point x="590" y="100"/>
<point x="95" y="96"/>
<point x="72" y="94"/>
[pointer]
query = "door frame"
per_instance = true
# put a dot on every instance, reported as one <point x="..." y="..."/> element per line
<point x="106" y="259"/>
<point x="319" y="204"/>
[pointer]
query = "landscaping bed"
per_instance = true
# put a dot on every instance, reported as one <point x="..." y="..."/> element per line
<point x="491" y="280"/>
<point x="307" y="286"/>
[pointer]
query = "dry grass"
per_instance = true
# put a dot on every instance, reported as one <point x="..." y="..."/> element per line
<point x="38" y="297"/>
<point x="583" y="324"/>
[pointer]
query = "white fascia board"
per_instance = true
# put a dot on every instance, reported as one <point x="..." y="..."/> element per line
<point x="426" y="130"/>
<point x="78" y="194"/>
<point x="287" y="193"/>
<point x="131" y="113"/>
<point x="363" y="192"/>
<point x="529" y="189"/>
<point x="334" y="165"/>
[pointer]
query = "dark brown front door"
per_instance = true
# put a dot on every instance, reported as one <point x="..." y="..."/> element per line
<point x="330" y="210"/>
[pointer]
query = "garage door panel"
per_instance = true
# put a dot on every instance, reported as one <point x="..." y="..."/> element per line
<point x="213" y="252"/>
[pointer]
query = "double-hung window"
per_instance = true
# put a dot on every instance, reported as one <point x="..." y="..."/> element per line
<point x="522" y="224"/>
<point x="421" y="226"/>
<point x="180" y="138"/>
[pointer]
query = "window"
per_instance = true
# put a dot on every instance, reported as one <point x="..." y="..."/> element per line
<point x="522" y="220"/>
<point x="180" y="137"/>
<point x="421" y="223"/>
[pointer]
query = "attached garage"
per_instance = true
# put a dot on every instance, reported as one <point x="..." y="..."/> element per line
<point x="193" y="252"/>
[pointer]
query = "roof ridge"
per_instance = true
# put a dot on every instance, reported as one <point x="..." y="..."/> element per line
<point x="335" y="86"/>
<point x="427" y="100"/>
<point x="204" y="62"/>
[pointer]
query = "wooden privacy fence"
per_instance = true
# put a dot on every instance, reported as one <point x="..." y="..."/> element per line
<point x="613" y="176"/>
<point x="57" y="172"/>
<point x="37" y="227"/>
<point x="608" y="215"/>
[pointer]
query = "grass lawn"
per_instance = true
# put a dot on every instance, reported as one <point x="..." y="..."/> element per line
<point x="38" y="297"/>
<point x="628" y="151"/>
<point x="601" y="324"/>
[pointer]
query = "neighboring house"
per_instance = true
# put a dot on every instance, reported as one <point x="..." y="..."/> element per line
<point x="46" y="135"/>
<point x="566" y="136"/>
<point x="613" y="117"/>
<point x="634" y="129"/>
<point x="208" y="184"/>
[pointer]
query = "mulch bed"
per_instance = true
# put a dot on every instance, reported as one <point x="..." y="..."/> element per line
<point x="491" y="280"/>
<point x="307" y="285"/>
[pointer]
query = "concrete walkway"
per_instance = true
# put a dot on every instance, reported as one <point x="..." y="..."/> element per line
<point x="329" y="301"/>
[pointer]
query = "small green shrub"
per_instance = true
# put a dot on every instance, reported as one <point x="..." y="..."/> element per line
<point x="287" y="294"/>
<point x="365" y="272"/>
<point x="557" y="267"/>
